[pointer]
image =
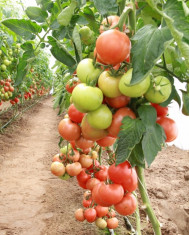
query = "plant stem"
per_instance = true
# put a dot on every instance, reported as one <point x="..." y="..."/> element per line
<point x="137" y="216"/>
<point x="122" y="6"/>
<point x="146" y="201"/>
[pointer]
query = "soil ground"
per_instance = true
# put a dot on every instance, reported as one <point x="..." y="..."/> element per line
<point x="34" y="202"/>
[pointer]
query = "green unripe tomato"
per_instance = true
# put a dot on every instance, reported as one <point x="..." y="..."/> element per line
<point x="6" y="95"/>
<point x="65" y="177"/>
<point x="63" y="149"/>
<point x="87" y="35"/>
<point x="135" y="90"/>
<point x="159" y="90"/>
<point x="101" y="223"/>
<point x="18" y="45"/>
<point x="87" y="98"/>
<point x="109" y="84"/>
<point x="86" y="71"/>
<point x="100" y="118"/>
<point x="10" y="93"/>
<point x="3" y="67"/>
<point x="6" y="62"/>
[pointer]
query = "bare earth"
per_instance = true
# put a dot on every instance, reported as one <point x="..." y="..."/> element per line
<point x="34" y="202"/>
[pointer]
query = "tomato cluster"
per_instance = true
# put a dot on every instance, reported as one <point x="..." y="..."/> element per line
<point x="101" y="96"/>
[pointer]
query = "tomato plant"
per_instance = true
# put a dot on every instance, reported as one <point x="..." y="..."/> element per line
<point x="123" y="56"/>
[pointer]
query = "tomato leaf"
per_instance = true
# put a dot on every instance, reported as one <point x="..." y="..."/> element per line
<point x="154" y="136"/>
<point x="176" y="15"/>
<point x="24" y="28"/>
<point x="130" y="135"/>
<point x="23" y="65"/>
<point x="149" y="44"/>
<point x="106" y="7"/>
<point x="185" y="98"/>
<point x="35" y="13"/>
<point x="137" y="156"/>
<point x="77" y="41"/>
<point x="60" y="52"/>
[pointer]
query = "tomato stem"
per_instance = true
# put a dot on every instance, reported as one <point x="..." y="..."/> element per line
<point x="146" y="201"/>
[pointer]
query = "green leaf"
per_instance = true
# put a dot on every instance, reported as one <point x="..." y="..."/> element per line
<point x="77" y="41"/>
<point x="35" y="13"/>
<point x="60" y="52"/>
<point x="23" y="66"/>
<point x="154" y="136"/>
<point x="24" y="28"/>
<point x="149" y="44"/>
<point x="130" y="135"/>
<point x="137" y="156"/>
<point x="89" y="16"/>
<point x="106" y="7"/>
<point x="27" y="46"/>
<point x="176" y="15"/>
<point x="185" y="98"/>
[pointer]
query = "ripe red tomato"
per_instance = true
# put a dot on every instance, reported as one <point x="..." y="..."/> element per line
<point x="123" y="174"/>
<point x="127" y="205"/>
<point x="16" y="100"/>
<point x="82" y="179"/>
<point x="90" y="215"/>
<point x="74" y="114"/>
<point x="69" y="130"/>
<point x="161" y="111"/>
<point x="74" y="155"/>
<point x="106" y="141"/>
<point x="112" y="223"/>
<point x="113" y="46"/>
<point x="117" y="120"/>
<point x="101" y="211"/>
<point x="71" y="84"/>
<point x="107" y="194"/>
<point x="87" y="203"/>
<point x="118" y="102"/>
<point x="109" y="22"/>
<point x="170" y="128"/>
<point x="102" y="174"/>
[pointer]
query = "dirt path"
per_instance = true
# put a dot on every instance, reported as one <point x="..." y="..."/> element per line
<point x="34" y="202"/>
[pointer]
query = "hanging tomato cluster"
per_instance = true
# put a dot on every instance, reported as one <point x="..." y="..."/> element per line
<point x="101" y="97"/>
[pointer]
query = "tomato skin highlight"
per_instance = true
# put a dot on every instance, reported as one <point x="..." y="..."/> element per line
<point x="127" y="205"/>
<point x="113" y="46"/>
<point x="170" y="128"/>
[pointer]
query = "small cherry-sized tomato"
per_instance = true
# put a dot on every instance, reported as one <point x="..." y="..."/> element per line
<point x="74" y="155"/>
<point x="87" y="202"/>
<point x="90" y="215"/>
<point x="112" y="223"/>
<point x="82" y="178"/>
<point x="170" y="128"/>
<point x="58" y="168"/>
<point x="71" y="84"/>
<point x="101" y="223"/>
<point x="109" y="22"/>
<point x="127" y="205"/>
<point x="79" y="215"/>
<point x="113" y="46"/>
<point x="85" y="160"/>
<point x="83" y="143"/>
<point x="73" y="169"/>
<point x="69" y="130"/>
